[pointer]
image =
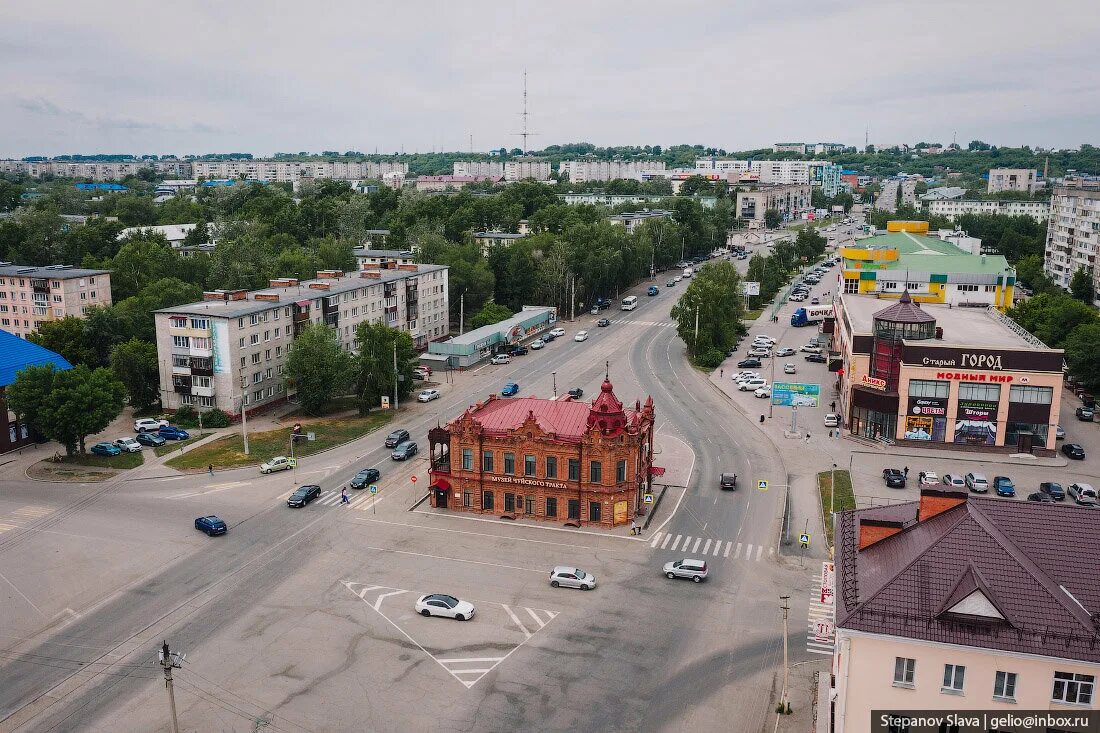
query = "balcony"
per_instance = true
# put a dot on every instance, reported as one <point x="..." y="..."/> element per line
<point x="180" y="388"/>
<point x="181" y="370"/>
<point x="201" y="351"/>
<point x="202" y="391"/>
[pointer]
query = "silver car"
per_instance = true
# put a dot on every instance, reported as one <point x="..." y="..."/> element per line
<point x="977" y="482"/>
<point x="691" y="568"/>
<point x="571" y="578"/>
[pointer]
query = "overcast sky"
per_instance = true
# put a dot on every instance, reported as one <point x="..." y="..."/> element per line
<point x="195" y="77"/>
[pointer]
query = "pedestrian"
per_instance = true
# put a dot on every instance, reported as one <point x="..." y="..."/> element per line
<point x="210" y="469"/>
<point x="920" y="477"/>
<point x="633" y="527"/>
<point x="721" y="372"/>
<point x="906" y="472"/>
<point x="832" y="405"/>
<point x="807" y="437"/>
<point x="344" y="496"/>
<point x="761" y="419"/>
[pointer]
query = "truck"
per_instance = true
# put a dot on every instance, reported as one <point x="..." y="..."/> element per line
<point x="810" y="316"/>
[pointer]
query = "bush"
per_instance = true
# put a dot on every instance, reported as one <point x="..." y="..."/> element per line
<point x="186" y="417"/>
<point x="215" y="419"/>
<point x="711" y="358"/>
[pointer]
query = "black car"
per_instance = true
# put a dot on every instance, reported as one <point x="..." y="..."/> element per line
<point x="603" y="322"/>
<point x="396" y="437"/>
<point x="894" y="478"/>
<point x="365" y="478"/>
<point x="1074" y="451"/>
<point x="404" y="451"/>
<point x="728" y="481"/>
<point x="816" y="358"/>
<point x="748" y="363"/>
<point x="211" y="525"/>
<point x="1041" y="498"/>
<point x="513" y="351"/>
<point x="547" y="337"/>
<point x="150" y="439"/>
<point x="1053" y="490"/>
<point x="576" y="393"/>
<point x="304" y="495"/>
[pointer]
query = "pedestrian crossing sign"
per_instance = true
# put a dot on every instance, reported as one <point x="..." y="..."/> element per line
<point x="373" y="489"/>
<point x="762" y="484"/>
<point x="647" y="498"/>
<point x="804" y="539"/>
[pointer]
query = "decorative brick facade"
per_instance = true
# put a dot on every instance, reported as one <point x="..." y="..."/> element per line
<point x="559" y="460"/>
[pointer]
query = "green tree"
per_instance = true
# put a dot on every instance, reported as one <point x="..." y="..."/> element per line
<point x="66" y="337"/>
<point x="318" y="368"/>
<point x="374" y="368"/>
<point x="489" y="314"/>
<point x="714" y="301"/>
<point x="134" y="363"/>
<point x="66" y="405"/>
<point x="1080" y="285"/>
<point x="1083" y="354"/>
<point x="141" y="260"/>
<point x="43" y="237"/>
<point x="772" y="218"/>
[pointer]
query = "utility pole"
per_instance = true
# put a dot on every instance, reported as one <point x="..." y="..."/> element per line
<point x="244" y="411"/>
<point x="396" y="376"/>
<point x="832" y="490"/>
<point x="168" y="662"/>
<point x="572" y="296"/>
<point x="461" y="313"/>
<point x="786" y="668"/>
<point x="695" y="341"/>
<point x="554" y="375"/>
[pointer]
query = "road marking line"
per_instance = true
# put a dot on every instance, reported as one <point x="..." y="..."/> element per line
<point x="696" y="547"/>
<point x="717" y="547"/>
<point x="535" y="616"/>
<point x="655" y="540"/>
<point x="729" y="546"/>
<point x="378" y="601"/>
<point x="359" y="499"/>
<point x="759" y="552"/>
<point x="470" y="660"/>
<point x="540" y="571"/>
<point x="213" y="489"/>
<point x="518" y="623"/>
<point x="738" y="553"/>
<point x="667" y="538"/>
<point x="687" y="541"/>
<point x="706" y="547"/>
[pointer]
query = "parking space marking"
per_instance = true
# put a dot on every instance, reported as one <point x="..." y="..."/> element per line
<point x="667" y="536"/>
<point x="532" y="614"/>
<point x="516" y="620"/>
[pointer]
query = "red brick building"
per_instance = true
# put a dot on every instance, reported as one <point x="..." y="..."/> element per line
<point x="559" y="460"/>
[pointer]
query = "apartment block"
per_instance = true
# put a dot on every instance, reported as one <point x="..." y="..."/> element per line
<point x="290" y="171"/>
<point x="494" y="169"/>
<point x="952" y="209"/>
<point x="818" y="173"/>
<point x="1014" y="179"/>
<point x="31" y="296"/>
<point x="523" y="168"/>
<point x="229" y="350"/>
<point x="788" y="200"/>
<point x="96" y="170"/>
<point x="799" y="148"/>
<point x="1073" y="233"/>
<point x="581" y="171"/>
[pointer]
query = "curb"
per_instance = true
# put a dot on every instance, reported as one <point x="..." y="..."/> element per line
<point x="962" y="457"/>
<point x="656" y="505"/>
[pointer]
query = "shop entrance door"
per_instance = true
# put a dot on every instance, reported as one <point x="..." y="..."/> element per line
<point x="594" y="511"/>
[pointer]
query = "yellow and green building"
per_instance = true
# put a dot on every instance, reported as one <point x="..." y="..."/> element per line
<point x="932" y="270"/>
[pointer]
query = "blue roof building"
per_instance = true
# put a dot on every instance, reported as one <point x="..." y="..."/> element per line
<point x="17" y="354"/>
<point x="111" y="187"/>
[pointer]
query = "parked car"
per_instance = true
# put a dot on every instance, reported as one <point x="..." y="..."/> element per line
<point x="501" y="359"/>
<point x="1053" y="490"/>
<point x="815" y="301"/>
<point x="954" y="481"/>
<point x="537" y="344"/>
<point x="751" y="385"/>
<point x="440" y="604"/>
<point x="548" y="337"/>
<point x="211" y="525"/>
<point x="786" y="351"/>
<point x="760" y="353"/>
<point x="1059" y="432"/>
<point x="150" y="439"/>
<point x="397" y="436"/>
<point x="931" y="478"/>
<point x="691" y="568"/>
<point x="894" y="478"/>
<point x="728" y="481"/>
<point x="557" y="332"/>
<point x="509" y="389"/>
<point x="303" y="495"/>
<point x="404" y="451"/>
<point x="789" y="368"/>
<point x="428" y="395"/>
<point x="765" y="338"/>
<point x="603" y="323"/>
<point x="278" y="463"/>
<point x="816" y="358"/>
<point x="576" y="393"/>
<point x="746" y="363"/>
<point x="808" y="349"/>
<point x="1085" y="414"/>
<point x="581" y="336"/>
<point x="832" y="420"/>
<point x="128" y="445"/>
<point x="517" y="351"/>
<point x="148" y="423"/>
<point x="1083" y="494"/>
<point x="670" y="283"/>
<point x="1040" y="497"/>
<point x="171" y="432"/>
<point x="763" y="392"/>
<point x="678" y="278"/>
<point x="976" y="482"/>
<point x="571" y="578"/>
<point x="365" y="478"/>
<point x="1074" y="451"/>
<point x="1003" y="486"/>
<point x="424" y="369"/>
<point x="106" y="449"/>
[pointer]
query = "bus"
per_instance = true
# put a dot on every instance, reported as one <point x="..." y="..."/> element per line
<point x="630" y="303"/>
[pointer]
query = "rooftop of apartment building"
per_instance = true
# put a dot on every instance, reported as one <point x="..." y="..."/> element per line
<point x="644" y="214"/>
<point x="498" y="235"/>
<point x="919" y="253"/>
<point x="974" y="571"/>
<point x="284" y="291"/>
<point x="51" y="272"/>
<point x="397" y="254"/>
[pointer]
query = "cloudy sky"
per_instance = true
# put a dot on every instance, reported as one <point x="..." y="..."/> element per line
<point x="194" y="77"/>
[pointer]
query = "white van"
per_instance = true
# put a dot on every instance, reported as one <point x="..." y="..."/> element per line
<point x="688" y="272"/>
<point x="629" y="303"/>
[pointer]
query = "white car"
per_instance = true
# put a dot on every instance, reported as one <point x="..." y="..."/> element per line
<point x="786" y="351"/>
<point x="954" y="480"/>
<point x="764" y="337"/>
<point x="428" y="395"/>
<point x="760" y="352"/>
<point x="278" y="463"/>
<point x="571" y="578"/>
<point x="501" y="359"/>
<point x="751" y="385"/>
<point x="129" y="445"/>
<point x="691" y="568"/>
<point x="746" y="375"/>
<point x="148" y="424"/>
<point x="440" y="604"/>
<point x="678" y="278"/>
<point x="832" y="420"/>
<point x="581" y="336"/>
<point x="789" y="368"/>
<point x="930" y="479"/>
<point x="796" y="298"/>
<point x="811" y="349"/>
<point x="537" y="344"/>
<point x="763" y="392"/>
<point x="557" y="332"/>
<point x="976" y="482"/>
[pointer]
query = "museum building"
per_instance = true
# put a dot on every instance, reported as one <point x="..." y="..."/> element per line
<point x="557" y="459"/>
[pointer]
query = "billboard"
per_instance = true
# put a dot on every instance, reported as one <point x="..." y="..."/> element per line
<point x="220" y="341"/>
<point x="793" y="394"/>
<point x="750" y="288"/>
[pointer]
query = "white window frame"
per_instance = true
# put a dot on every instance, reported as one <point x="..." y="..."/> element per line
<point x="954" y="679"/>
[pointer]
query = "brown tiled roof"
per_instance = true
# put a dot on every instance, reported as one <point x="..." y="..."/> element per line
<point x="1018" y="554"/>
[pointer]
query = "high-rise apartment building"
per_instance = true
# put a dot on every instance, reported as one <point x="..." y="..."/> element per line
<point x="493" y="169"/>
<point x="1073" y="233"/>
<point x="290" y="171"/>
<point x="521" y="169"/>
<point x="581" y="171"/>
<point x="31" y="296"/>
<point x="1013" y="179"/>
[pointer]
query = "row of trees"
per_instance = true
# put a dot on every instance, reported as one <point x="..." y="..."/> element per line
<point x="774" y="271"/>
<point x="1064" y="322"/>
<point x="709" y="314"/>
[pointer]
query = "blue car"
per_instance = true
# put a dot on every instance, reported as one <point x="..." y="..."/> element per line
<point x="509" y="389"/>
<point x="211" y="525"/>
<point x="171" y="432"/>
<point x="653" y="290"/>
<point x="106" y="449"/>
<point x="1003" y="486"/>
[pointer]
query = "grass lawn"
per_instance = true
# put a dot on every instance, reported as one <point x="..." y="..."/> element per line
<point x="338" y="405"/>
<point x="228" y="451"/>
<point x="121" y="461"/>
<point x="171" y="445"/>
<point x="752" y="315"/>
<point x="845" y="499"/>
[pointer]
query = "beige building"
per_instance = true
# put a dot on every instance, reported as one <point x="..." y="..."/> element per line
<point x="491" y="168"/>
<point x="1014" y="179"/>
<point x="521" y="169"/>
<point x="373" y="259"/>
<point x="788" y="200"/>
<point x="237" y="342"/>
<point x="1073" y="233"/>
<point x="957" y="602"/>
<point x="31" y="296"/>
<point x="290" y="171"/>
<point x="952" y="209"/>
<point x="582" y="171"/>
<point x="96" y="170"/>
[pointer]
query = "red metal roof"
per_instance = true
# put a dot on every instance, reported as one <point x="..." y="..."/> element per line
<point x="566" y="419"/>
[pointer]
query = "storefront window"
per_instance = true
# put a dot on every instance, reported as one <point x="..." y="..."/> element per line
<point x="1030" y="395"/>
<point x="979" y="391"/>
<point x="976" y="414"/>
<point x="929" y="388"/>
<point x="873" y="424"/>
<point x="1013" y="430"/>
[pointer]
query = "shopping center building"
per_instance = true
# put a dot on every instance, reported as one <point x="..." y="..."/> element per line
<point x="556" y="459"/>
<point x="932" y="374"/>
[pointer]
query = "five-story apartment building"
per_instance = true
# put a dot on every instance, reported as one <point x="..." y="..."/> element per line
<point x="31" y="296"/>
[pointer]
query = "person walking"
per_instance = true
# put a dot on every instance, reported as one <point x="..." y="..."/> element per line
<point x="210" y="469"/>
<point x="807" y="437"/>
<point x="906" y="472"/>
<point x="920" y="477"/>
<point x="761" y="419"/>
<point x="634" y="527"/>
<point x="721" y="372"/>
<point x="344" y="496"/>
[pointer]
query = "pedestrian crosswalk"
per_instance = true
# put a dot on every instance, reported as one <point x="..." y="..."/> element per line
<point x="23" y="516"/>
<point x="629" y="322"/>
<point x="710" y="547"/>
<point x="361" y="500"/>
<point x="820" y="631"/>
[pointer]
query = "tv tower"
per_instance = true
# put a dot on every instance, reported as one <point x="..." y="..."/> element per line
<point x="524" y="114"/>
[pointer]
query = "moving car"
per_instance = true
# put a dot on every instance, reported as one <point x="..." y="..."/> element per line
<point x="1003" y="486"/>
<point x="581" y="336"/>
<point x="760" y="352"/>
<point x="816" y="358"/>
<point x="404" y="451"/>
<point x="1083" y="494"/>
<point x="278" y="463"/>
<point x="571" y="578"/>
<point x="150" y="439"/>
<point x="954" y="481"/>
<point x="1059" y="432"/>
<point x="171" y="432"/>
<point x="106" y="449"/>
<point x="746" y="363"/>
<point x="653" y="290"/>
<point x="509" y="389"/>
<point x="1074" y="451"/>
<point x="439" y="604"/>
<point x="808" y="349"/>
<point x="365" y="478"/>
<point x="1085" y="414"/>
<point x="603" y="323"/>
<point x="576" y="393"/>
<point x="894" y="478"/>
<point x="832" y="420"/>
<point x="557" y="332"/>
<point x="1053" y="490"/>
<point x="976" y="482"/>
<point x="501" y="359"/>
<point x="764" y="337"/>
<point x="303" y="495"/>
<point x="397" y="436"/>
<point x="537" y="344"/>
<point x="789" y="368"/>
<point x="148" y="423"/>
<point x="670" y="283"/>
<point x="1041" y="498"/>
<point x="211" y="525"/>
<point x="691" y="568"/>
<point x="428" y="395"/>
<point x="677" y="279"/>
<point x="728" y="481"/>
<point x="785" y="351"/>
<point x="128" y="444"/>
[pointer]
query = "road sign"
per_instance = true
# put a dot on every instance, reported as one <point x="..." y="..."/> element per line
<point x="824" y="631"/>
<point x="373" y="489"/>
<point x="292" y="461"/>
<point x="311" y="436"/>
<point x="647" y="498"/>
<point x="762" y="484"/>
<point x="413" y="479"/>
<point x="804" y="539"/>
<point x="793" y="394"/>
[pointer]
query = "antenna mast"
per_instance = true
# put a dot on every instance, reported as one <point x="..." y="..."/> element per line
<point x="525" y="134"/>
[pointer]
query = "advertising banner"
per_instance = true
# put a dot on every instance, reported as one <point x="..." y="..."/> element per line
<point x="221" y="346"/>
<point x="926" y="419"/>
<point x="976" y="422"/>
<point x="750" y="287"/>
<point x="620" y="512"/>
<point x="793" y="394"/>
